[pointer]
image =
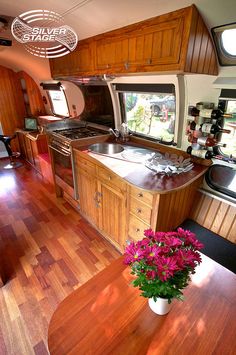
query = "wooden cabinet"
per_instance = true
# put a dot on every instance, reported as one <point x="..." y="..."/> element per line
<point x="175" y="42"/>
<point x="31" y="147"/>
<point x="143" y="48"/>
<point x="79" y="62"/>
<point x="112" y="53"/>
<point x="140" y="205"/>
<point x="87" y="188"/>
<point x="87" y="196"/>
<point x="122" y="211"/>
<point x="161" y="212"/>
<point x="112" y="213"/>
<point x="102" y="198"/>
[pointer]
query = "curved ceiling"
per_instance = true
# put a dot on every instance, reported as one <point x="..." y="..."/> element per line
<point x="91" y="17"/>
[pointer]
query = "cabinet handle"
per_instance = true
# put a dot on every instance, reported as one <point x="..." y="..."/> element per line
<point x="138" y="210"/>
<point x="99" y="196"/>
<point x="126" y="65"/>
<point x="140" y="194"/>
<point x="95" y="196"/>
<point x="109" y="178"/>
<point x="149" y="61"/>
<point x="137" y="230"/>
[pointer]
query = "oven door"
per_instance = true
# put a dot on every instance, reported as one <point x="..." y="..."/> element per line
<point x="62" y="164"/>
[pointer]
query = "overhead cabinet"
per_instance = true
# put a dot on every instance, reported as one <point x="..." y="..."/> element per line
<point x="78" y="62"/>
<point x="142" y="48"/>
<point x="176" y="42"/>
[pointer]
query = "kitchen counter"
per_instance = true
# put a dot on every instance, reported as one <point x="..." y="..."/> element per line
<point x="33" y="135"/>
<point x="122" y="198"/>
<point x="108" y="316"/>
<point x="139" y="175"/>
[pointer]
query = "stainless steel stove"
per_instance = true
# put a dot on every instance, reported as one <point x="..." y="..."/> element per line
<point x="60" y="138"/>
<point x="78" y="133"/>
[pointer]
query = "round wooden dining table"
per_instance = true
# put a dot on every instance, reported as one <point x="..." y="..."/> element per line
<point x="107" y="315"/>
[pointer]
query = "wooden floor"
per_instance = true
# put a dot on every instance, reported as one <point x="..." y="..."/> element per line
<point x="48" y="251"/>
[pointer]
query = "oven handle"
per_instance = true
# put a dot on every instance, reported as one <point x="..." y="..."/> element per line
<point x="59" y="151"/>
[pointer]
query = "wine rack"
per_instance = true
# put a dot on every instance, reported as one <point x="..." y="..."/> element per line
<point x="204" y="129"/>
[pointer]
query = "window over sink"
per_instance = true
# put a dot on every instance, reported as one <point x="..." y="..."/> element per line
<point x="149" y="110"/>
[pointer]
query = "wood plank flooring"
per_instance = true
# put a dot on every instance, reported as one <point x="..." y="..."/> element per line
<point x="47" y="250"/>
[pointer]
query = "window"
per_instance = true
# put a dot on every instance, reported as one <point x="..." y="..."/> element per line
<point x="222" y="178"/>
<point x="58" y="102"/>
<point x="149" y="109"/>
<point x="56" y="97"/>
<point x="228" y="41"/>
<point x="224" y="38"/>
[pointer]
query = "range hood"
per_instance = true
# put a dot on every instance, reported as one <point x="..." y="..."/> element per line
<point x="88" y="80"/>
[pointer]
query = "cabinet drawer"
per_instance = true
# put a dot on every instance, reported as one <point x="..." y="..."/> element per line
<point x="140" y="209"/>
<point x="111" y="179"/>
<point x="136" y="228"/>
<point x="85" y="165"/>
<point x="141" y="195"/>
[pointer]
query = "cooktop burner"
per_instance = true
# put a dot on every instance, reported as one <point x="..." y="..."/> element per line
<point x="81" y="132"/>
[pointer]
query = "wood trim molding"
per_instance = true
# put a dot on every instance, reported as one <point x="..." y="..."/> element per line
<point x="215" y="215"/>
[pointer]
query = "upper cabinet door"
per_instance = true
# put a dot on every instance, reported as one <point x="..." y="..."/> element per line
<point x="158" y="44"/>
<point x="148" y="46"/>
<point x="78" y="62"/>
<point x="111" y="53"/>
<point x="81" y="59"/>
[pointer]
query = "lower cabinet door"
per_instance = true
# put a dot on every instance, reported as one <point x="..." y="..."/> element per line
<point x="88" y="197"/>
<point x="112" y="213"/>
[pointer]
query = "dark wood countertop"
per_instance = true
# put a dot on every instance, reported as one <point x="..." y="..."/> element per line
<point x="33" y="135"/>
<point x="144" y="178"/>
<point x="108" y="316"/>
<point x="148" y="180"/>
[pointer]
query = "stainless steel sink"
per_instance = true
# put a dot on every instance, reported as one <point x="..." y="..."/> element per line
<point x="106" y="148"/>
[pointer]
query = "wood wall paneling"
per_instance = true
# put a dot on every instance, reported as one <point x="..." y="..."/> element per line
<point x="174" y="207"/>
<point x="12" y="110"/>
<point x="215" y="215"/>
<point x="201" y="56"/>
<point x="35" y="98"/>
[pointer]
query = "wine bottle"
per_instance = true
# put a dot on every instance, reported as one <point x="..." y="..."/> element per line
<point x="209" y="142"/>
<point x="191" y="138"/>
<point x="194" y="126"/>
<point x="214" y="114"/>
<point x="208" y="113"/>
<point x="213" y="128"/>
<point x="193" y="111"/>
<point x="200" y="153"/>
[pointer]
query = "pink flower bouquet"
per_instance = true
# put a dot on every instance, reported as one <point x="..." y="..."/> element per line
<point x="163" y="262"/>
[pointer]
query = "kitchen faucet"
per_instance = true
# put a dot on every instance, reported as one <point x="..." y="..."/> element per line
<point x="115" y="132"/>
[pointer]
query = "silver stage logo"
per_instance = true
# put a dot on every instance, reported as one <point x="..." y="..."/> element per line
<point x="46" y="28"/>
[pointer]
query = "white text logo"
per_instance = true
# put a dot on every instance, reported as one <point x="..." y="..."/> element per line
<point x="52" y="41"/>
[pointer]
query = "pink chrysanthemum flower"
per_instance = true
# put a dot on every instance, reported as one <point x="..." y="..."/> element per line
<point x="133" y="254"/>
<point x="166" y="267"/>
<point x="163" y="262"/>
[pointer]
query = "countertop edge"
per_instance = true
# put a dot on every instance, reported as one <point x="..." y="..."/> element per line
<point x="131" y="180"/>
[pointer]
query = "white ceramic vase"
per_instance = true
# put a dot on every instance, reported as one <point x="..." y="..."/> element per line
<point x="161" y="306"/>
